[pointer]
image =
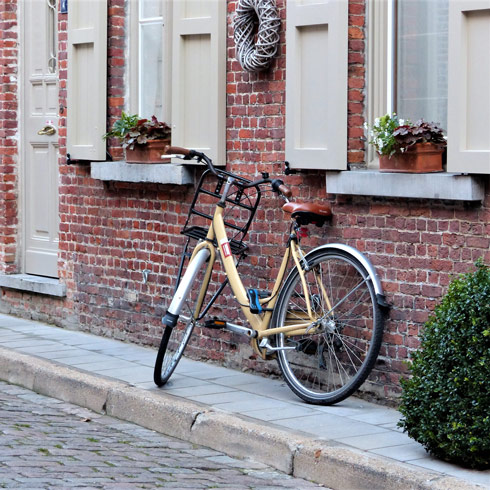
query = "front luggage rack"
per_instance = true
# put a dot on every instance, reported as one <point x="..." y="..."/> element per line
<point x="241" y="204"/>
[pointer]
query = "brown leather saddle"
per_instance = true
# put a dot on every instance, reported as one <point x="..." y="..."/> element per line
<point x="308" y="212"/>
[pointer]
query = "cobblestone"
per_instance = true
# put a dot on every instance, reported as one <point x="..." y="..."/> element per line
<point x="45" y="443"/>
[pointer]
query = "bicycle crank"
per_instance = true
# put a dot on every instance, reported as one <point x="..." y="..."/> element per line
<point x="265" y="344"/>
<point x="216" y="323"/>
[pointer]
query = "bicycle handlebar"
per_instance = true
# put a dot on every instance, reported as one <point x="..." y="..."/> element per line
<point x="177" y="150"/>
<point x="276" y="184"/>
<point x="190" y="154"/>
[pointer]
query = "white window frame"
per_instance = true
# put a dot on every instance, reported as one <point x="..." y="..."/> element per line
<point x="379" y="74"/>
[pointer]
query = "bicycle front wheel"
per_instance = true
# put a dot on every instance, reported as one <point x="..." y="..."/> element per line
<point x="328" y="359"/>
<point x="175" y="339"/>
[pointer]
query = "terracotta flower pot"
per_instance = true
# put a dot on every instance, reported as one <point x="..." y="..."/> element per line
<point x="420" y="158"/>
<point x="151" y="152"/>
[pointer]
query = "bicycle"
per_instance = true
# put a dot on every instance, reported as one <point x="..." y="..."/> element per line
<point x="323" y="321"/>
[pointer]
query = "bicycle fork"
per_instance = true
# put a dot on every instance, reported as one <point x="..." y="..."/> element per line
<point x="195" y="265"/>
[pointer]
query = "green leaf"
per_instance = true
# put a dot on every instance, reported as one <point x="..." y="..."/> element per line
<point x="445" y="401"/>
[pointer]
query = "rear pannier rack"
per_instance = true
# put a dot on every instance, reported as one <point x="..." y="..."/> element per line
<point x="241" y="204"/>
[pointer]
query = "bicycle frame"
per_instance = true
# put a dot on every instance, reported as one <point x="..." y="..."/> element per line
<point x="334" y="337"/>
<point x="259" y="324"/>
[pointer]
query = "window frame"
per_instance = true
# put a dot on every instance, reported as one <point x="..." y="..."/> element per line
<point x="382" y="56"/>
<point x="460" y="182"/>
<point x="378" y="50"/>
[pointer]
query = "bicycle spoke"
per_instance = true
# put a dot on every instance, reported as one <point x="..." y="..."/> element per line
<point x="175" y="339"/>
<point x="334" y="357"/>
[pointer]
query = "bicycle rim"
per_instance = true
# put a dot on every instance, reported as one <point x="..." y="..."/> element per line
<point x="172" y="346"/>
<point x="334" y="358"/>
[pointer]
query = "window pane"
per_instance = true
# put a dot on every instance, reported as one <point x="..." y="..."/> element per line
<point x="421" y="60"/>
<point x="150" y="77"/>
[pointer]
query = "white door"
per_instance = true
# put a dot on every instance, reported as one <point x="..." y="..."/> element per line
<point x="40" y="138"/>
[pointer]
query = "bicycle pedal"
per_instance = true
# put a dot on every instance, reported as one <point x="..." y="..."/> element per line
<point x="215" y="323"/>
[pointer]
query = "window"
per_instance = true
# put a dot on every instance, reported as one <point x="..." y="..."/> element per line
<point x="408" y="60"/>
<point x="426" y="59"/>
<point x="178" y="69"/>
<point x="150" y="68"/>
<point x="420" y="75"/>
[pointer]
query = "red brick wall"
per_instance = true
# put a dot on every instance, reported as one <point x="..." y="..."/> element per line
<point x="111" y="232"/>
<point x="8" y="135"/>
<point x="356" y="81"/>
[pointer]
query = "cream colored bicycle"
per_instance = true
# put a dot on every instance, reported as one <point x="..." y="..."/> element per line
<point x="323" y="320"/>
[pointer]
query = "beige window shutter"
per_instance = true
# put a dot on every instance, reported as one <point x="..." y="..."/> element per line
<point x="199" y="77"/>
<point x="316" y="84"/>
<point x="468" y="89"/>
<point x="87" y="79"/>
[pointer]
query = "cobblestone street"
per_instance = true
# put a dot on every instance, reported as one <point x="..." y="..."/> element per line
<point x="45" y="443"/>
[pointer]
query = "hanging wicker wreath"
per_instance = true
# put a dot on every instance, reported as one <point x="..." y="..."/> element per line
<point x="256" y="56"/>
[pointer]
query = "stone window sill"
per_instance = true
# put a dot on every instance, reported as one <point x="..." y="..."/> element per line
<point x="120" y="171"/>
<point x="33" y="284"/>
<point x="443" y="185"/>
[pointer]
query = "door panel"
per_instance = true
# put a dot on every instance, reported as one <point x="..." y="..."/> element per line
<point x="40" y="163"/>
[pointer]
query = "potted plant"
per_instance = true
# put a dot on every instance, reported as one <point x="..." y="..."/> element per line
<point x="407" y="147"/>
<point x="143" y="140"/>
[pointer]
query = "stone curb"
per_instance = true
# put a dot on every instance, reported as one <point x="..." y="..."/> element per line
<point x="337" y="467"/>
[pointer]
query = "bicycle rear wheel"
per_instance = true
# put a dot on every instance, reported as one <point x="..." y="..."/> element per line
<point x="175" y="339"/>
<point x="333" y="358"/>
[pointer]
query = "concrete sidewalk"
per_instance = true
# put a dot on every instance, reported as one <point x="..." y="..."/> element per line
<point x="352" y="445"/>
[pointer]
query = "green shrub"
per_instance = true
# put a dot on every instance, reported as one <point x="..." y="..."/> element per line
<point x="446" y="402"/>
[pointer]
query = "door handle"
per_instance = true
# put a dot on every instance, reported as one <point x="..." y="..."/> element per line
<point x="48" y="130"/>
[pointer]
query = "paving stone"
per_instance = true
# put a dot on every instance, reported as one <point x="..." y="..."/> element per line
<point x="368" y="428"/>
<point x="203" y="389"/>
<point x="330" y="426"/>
<point x="48" y="444"/>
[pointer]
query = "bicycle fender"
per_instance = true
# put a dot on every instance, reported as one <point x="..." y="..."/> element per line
<point x="364" y="261"/>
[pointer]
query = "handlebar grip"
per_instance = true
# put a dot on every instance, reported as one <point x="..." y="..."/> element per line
<point x="278" y="186"/>
<point x="285" y="191"/>
<point x="177" y="150"/>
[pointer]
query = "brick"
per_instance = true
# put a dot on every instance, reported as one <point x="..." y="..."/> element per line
<point x="478" y="242"/>
<point x="356" y="33"/>
<point x="110" y="233"/>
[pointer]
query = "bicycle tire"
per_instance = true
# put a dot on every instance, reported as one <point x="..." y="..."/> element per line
<point x="331" y="362"/>
<point x="175" y="339"/>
